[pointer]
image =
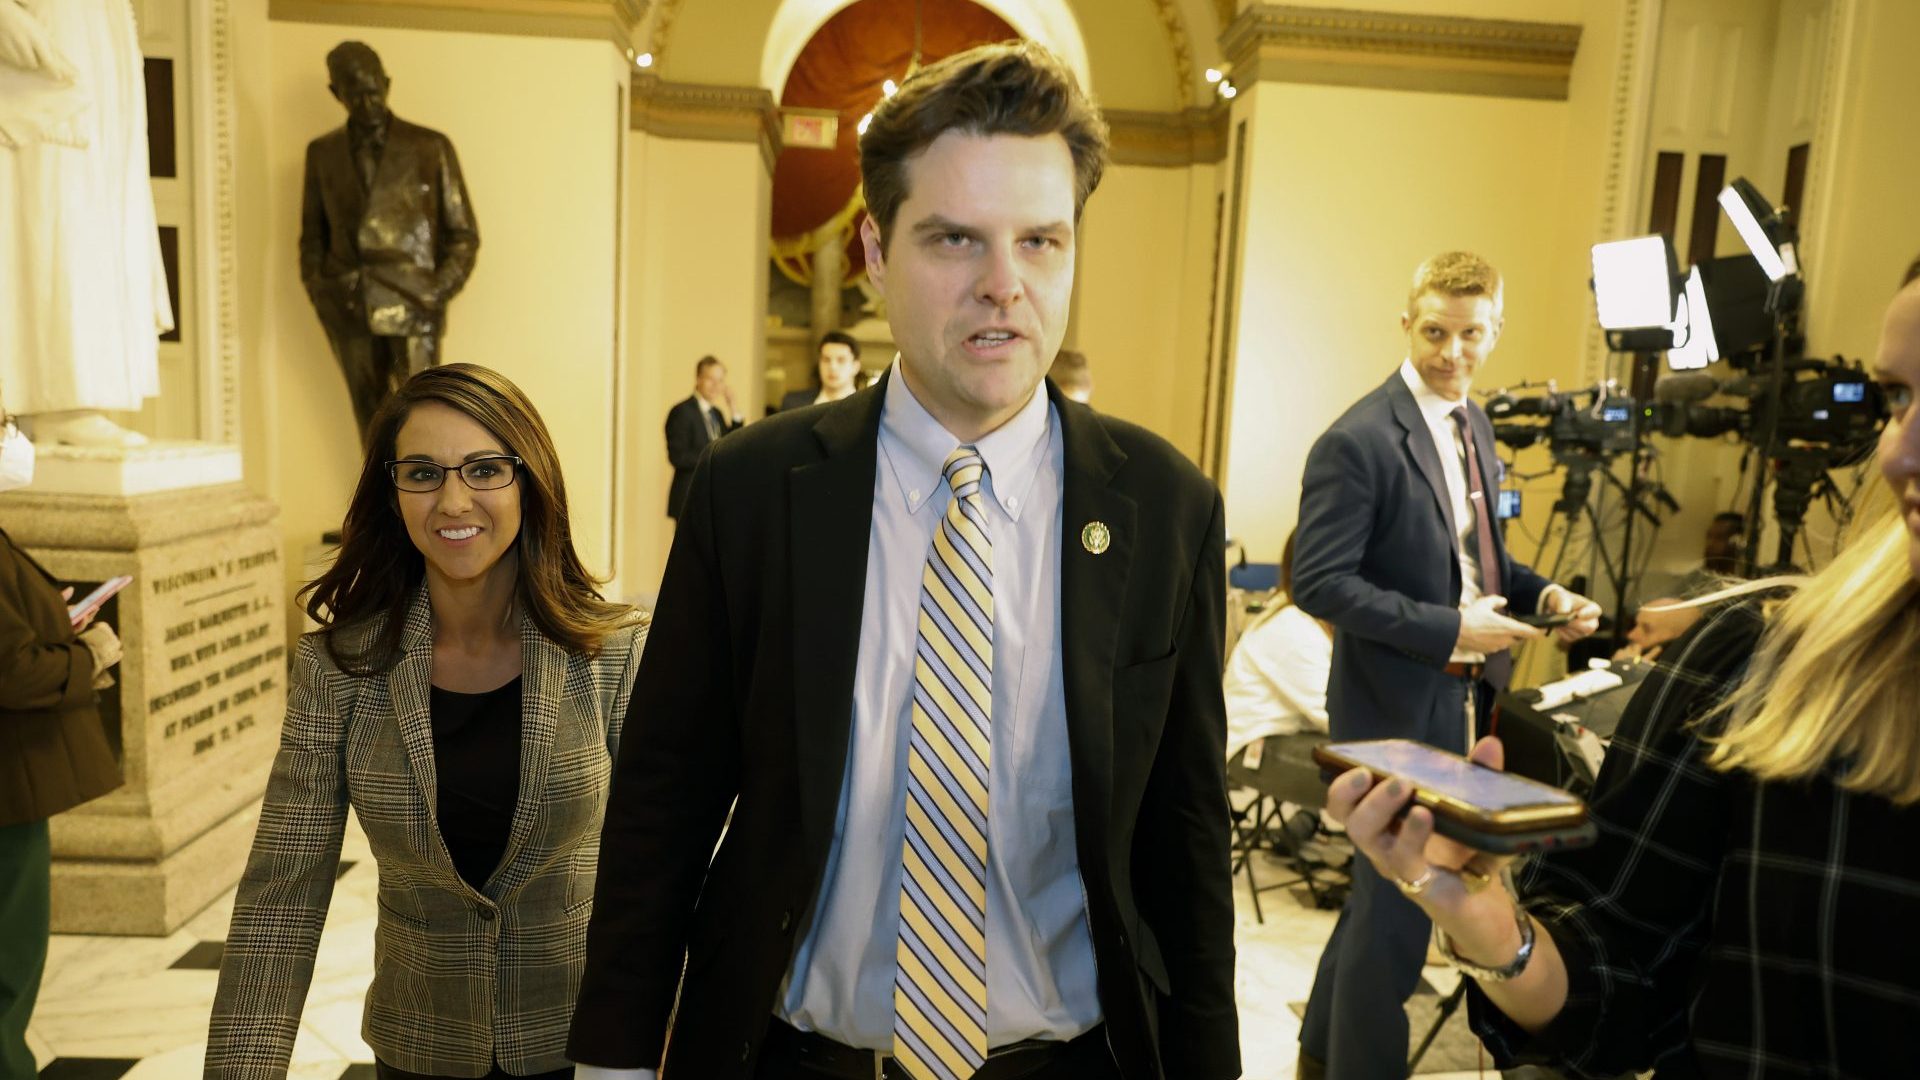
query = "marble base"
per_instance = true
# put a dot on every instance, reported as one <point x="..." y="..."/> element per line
<point x="196" y="708"/>
<point x="141" y="470"/>
<point x="151" y="897"/>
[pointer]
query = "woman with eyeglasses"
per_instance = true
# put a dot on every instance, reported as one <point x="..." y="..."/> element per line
<point x="465" y="697"/>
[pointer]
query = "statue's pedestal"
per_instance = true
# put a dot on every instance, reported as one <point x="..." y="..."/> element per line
<point x="199" y="697"/>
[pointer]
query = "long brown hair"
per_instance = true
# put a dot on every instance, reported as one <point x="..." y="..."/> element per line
<point x="378" y="568"/>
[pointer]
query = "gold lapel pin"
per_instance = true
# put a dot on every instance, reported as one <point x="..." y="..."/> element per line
<point x="1096" y="537"/>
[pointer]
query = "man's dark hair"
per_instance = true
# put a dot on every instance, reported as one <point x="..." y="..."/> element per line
<point x="352" y="54"/>
<point x="1730" y="516"/>
<point x="837" y="337"/>
<point x="1913" y="274"/>
<point x="1013" y="88"/>
<point x="706" y="362"/>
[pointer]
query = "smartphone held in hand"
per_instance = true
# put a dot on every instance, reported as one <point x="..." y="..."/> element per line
<point x="84" y="608"/>
<point x="1483" y="808"/>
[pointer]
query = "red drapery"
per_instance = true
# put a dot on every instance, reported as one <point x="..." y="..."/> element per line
<point x="842" y="68"/>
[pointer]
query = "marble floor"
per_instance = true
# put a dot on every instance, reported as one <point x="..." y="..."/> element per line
<point x="116" y="1008"/>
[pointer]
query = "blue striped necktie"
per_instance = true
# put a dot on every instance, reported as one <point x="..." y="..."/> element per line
<point x="940" y="990"/>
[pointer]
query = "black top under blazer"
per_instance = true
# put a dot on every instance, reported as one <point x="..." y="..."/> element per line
<point x="463" y="977"/>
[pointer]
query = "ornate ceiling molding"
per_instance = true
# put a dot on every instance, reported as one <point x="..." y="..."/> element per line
<point x="1180" y="46"/>
<point x="707" y="113"/>
<point x="1224" y="11"/>
<point x="664" y="13"/>
<point x="1168" y="140"/>
<point x="1385" y="50"/>
<point x="609" y="20"/>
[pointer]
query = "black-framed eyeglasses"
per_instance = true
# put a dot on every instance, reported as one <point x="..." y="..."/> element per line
<point x="480" y="474"/>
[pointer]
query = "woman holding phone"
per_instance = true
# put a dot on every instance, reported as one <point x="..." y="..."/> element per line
<point x="54" y="753"/>
<point x="1752" y="906"/>
<point x="465" y="698"/>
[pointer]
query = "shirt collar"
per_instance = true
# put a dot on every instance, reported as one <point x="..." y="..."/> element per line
<point x="705" y="404"/>
<point x="1432" y="406"/>
<point x="916" y="447"/>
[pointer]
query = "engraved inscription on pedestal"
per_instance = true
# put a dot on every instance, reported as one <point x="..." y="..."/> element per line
<point x="201" y="693"/>
<point x="220" y="658"/>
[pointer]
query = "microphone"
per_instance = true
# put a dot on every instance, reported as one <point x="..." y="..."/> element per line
<point x="1686" y="388"/>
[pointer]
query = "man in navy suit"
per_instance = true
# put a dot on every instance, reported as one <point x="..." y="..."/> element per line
<point x="1398" y="549"/>
<point x="702" y="418"/>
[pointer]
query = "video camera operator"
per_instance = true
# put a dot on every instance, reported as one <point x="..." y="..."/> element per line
<point x="1398" y="548"/>
<point x="1749" y="909"/>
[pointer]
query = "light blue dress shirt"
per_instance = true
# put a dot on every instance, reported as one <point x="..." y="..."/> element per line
<point x="1040" y="967"/>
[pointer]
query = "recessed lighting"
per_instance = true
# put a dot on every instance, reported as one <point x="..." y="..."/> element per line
<point x="644" y="60"/>
<point x="889" y="88"/>
<point x="1213" y="75"/>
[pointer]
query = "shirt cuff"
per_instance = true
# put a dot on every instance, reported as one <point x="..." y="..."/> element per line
<point x="1540" y="604"/>
<point x="601" y="1072"/>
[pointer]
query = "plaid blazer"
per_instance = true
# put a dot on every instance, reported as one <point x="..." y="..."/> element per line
<point x="462" y="978"/>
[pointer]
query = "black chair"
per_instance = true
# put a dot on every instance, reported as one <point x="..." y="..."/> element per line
<point x="1286" y="773"/>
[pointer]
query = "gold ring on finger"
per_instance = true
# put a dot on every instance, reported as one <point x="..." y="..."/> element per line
<point x="1417" y="885"/>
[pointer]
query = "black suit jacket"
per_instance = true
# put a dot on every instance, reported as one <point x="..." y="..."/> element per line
<point x="389" y="259"/>
<point x="54" y="753"/>
<point x="1377" y="556"/>
<point x="686" y="437"/>
<point x="747" y="691"/>
<point x="797" y="399"/>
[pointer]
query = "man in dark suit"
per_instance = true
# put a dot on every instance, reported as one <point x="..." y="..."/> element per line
<point x="878" y="612"/>
<point x="695" y="422"/>
<point x="387" y="234"/>
<point x="1398" y="548"/>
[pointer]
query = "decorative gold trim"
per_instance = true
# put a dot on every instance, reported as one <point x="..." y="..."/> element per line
<point x="1385" y="50"/>
<point x="709" y="113"/>
<point x="1180" y="46"/>
<point x="610" y="20"/>
<point x="1223" y="13"/>
<point x="1168" y="140"/>
<point x="664" y="13"/>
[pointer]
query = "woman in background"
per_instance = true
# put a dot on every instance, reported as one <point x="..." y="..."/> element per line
<point x="465" y="696"/>
<point x="54" y="752"/>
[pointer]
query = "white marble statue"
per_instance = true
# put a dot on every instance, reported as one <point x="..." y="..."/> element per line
<point x="83" y="296"/>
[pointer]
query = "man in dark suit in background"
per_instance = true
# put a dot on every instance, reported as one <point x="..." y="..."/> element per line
<point x="695" y="422"/>
<point x="881" y="610"/>
<point x="1398" y="548"/>
<point x="387" y="234"/>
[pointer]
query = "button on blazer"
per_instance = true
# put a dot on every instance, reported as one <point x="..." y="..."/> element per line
<point x="462" y="977"/>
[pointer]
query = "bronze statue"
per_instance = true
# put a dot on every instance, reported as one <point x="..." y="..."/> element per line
<point x="387" y="234"/>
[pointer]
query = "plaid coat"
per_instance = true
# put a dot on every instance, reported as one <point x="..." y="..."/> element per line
<point x="461" y="977"/>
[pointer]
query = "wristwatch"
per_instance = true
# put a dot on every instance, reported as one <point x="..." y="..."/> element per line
<point x="1486" y="974"/>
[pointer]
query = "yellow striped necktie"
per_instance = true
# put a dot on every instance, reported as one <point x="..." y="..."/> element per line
<point x="940" y="990"/>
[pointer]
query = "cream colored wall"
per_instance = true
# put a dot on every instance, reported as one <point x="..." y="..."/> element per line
<point x="1863" y="228"/>
<point x="1347" y="190"/>
<point x="537" y="125"/>
<point x="697" y="285"/>
<point x="1146" y="242"/>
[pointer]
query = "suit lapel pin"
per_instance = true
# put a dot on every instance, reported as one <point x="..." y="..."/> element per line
<point x="1096" y="537"/>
